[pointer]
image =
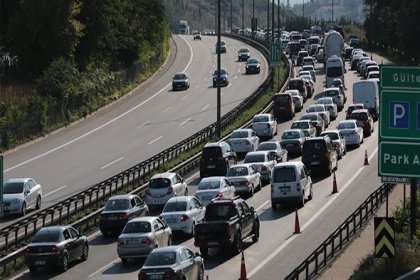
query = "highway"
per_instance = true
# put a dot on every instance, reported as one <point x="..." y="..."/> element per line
<point x="278" y="251"/>
<point x="145" y="122"/>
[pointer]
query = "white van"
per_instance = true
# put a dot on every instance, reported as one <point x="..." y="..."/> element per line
<point x="334" y="69"/>
<point x="367" y="92"/>
<point x="290" y="182"/>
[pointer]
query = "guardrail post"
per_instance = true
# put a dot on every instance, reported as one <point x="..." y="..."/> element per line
<point x="26" y="233"/>
<point x="6" y="241"/>
<point x="60" y="216"/>
<point x="316" y="262"/>
<point x="371" y="205"/>
<point x="341" y="238"/>
<point x="52" y="217"/>
<point x="43" y="220"/>
<point x="16" y="237"/>
<point x="354" y="224"/>
<point x="68" y="211"/>
<point x="307" y="269"/>
<point x="332" y="246"/>
<point x="348" y="230"/>
<point x="325" y="254"/>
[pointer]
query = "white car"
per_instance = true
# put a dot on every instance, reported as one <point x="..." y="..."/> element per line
<point x="352" y="132"/>
<point x="182" y="213"/>
<point x="335" y="94"/>
<point x="210" y="188"/>
<point x="297" y="99"/>
<point x="330" y="105"/>
<point x="245" y="178"/>
<point x="244" y="140"/>
<point x="338" y="141"/>
<point x="263" y="161"/>
<point x="306" y="126"/>
<point x="320" y="108"/>
<point x="264" y="125"/>
<point x="164" y="186"/>
<point x="274" y="146"/>
<point x="20" y="194"/>
<point x="311" y="70"/>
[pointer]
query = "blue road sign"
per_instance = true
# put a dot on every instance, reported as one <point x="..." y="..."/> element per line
<point x="399" y="115"/>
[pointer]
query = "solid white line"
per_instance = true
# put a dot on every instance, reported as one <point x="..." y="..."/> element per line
<point x="184" y="122"/>
<point x="143" y="124"/>
<point x="153" y="141"/>
<point x="56" y="190"/>
<point x="108" y="122"/>
<point x="205" y="107"/>
<point x="103" y="268"/>
<point x="317" y="214"/>
<point x="262" y="205"/>
<point x="167" y="109"/>
<point x="184" y="97"/>
<point x="112" y="162"/>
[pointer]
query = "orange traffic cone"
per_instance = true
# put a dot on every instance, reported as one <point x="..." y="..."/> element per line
<point x="335" y="190"/>
<point x="243" y="268"/>
<point x="297" y="227"/>
<point x="366" y="158"/>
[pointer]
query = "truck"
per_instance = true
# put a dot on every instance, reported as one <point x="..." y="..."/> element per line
<point x="183" y="27"/>
<point x="226" y="224"/>
<point x="333" y="45"/>
<point x="366" y="92"/>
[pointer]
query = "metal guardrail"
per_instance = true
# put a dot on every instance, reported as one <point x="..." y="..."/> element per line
<point x="15" y="237"/>
<point x="341" y="237"/>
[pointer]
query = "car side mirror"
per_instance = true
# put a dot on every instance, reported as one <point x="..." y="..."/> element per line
<point x="197" y="254"/>
<point x="252" y="209"/>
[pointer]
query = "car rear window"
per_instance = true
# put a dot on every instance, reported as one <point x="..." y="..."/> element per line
<point x="267" y="147"/>
<point x="237" y="171"/>
<point x="258" y="119"/>
<point x="359" y="116"/>
<point x="140" y="227"/>
<point x="215" y="212"/>
<point x="158" y="183"/>
<point x="209" y="184"/>
<point x="254" y="158"/>
<point x="239" y="134"/>
<point x="13" y="187"/>
<point x="301" y="125"/>
<point x="290" y="135"/>
<point x="334" y="71"/>
<point x="284" y="174"/>
<point x="160" y="258"/>
<point x="175" y="206"/>
<point x="314" y="147"/>
<point x="332" y="135"/>
<point x="282" y="99"/>
<point x="295" y="84"/>
<point x="46" y="236"/>
<point x="346" y="125"/>
<point x="116" y="204"/>
<point x="211" y="152"/>
<point x="331" y="93"/>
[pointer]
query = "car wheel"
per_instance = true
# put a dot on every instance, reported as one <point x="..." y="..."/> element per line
<point x="311" y="194"/>
<point x="192" y="230"/>
<point x="260" y="185"/>
<point x="65" y="263"/>
<point x="252" y="191"/>
<point x="173" y="89"/>
<point x="329" y="170"/>
<point x="237" y="243"/>
<point x="204" y="251"/>
<point x="124" y="260"/>
<point x="38" y="202"/>
<point x="23" y="211"/>
<point x="273" y="205"/>
<point x="302" y="201"/>
<point x="200" y="275"/>
<point x="85" y="252"/>
<point x="256" y="232"/>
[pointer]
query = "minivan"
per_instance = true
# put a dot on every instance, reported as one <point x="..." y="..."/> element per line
<point x="290" y="182"/>
<point x="283" y="106"/>
<point x="216" y="158"/>
<point x="319" y="154"/>
<point x="367" y="92"/>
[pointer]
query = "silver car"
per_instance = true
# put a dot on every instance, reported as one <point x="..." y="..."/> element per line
<point x="244" y="140"/>
<point x="245" y="178"/>
<point x="141" y="235"/>
<point x="292" y="140"/>
<point x="352" y="132"/>
<point x="330" y="105"/>
<point x="320" y="108"/>
<point x="264" y="125"/>
<point x="20" y="194"/>
<point x="214" y="187"/>
<point x="274" y="146"/>
<point x="163" y="186"/>
<point x="264" y="162"/>
<point x="335" y="94"/>
<point x="306" y="126"/>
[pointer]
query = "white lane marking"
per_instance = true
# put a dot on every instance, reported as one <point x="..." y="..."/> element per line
<point x="112" y="162"/>
<point x="153" y="141"/>
<point x="205" y="107"/>
<point x="143" y="124"/>
<point x="56" y="190"/>
<point x="235" y="77"/>
<point x="197" y="87"/>
<point x="317" y="214"/>
<point x="262" y="205"/>
<point x="184" y="122"/>
<point x="167" y="109"/>
<point x="104" y="267"/>
<point x="108" y="122"/>
<point x="184" y="97"/>
<point x="239" y="70"/>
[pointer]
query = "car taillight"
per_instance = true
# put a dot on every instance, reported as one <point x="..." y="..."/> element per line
<point x="298" y="187"/>
<point x="27" y="250"/>
<point x="245" y="182"/>
<point x="184" y="218"/>
<point x="263" y="168"/>
<point x="120" y="243"/>
<point x="161" y="217"/>
<point x="170" y="190"/>
<point x="102" y="218"/>
<point x="123" y="217"/>
<point x="169" y="274"/>
<point x="247" y="142"/>
<point x="146" y="241"/>
<point x="55" y="249"/>
<point x="142" y="275"/>
<point x="219" y="195"/>
<point x="354" y="132"/>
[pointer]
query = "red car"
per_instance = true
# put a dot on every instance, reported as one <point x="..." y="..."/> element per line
<point x="365" y="119"/>
<point x="352" y="107"/>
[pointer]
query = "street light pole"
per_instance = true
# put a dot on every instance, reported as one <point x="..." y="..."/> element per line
<point x="272" y="22"/>
<point x="268" y="22"/>
<point x="278" y="17"/>
<point x="253" y="19"/>
<point x="218" y="127"/>
<point x="231" y="18"/>
<point x="243" y="24"/>
<point x="332" y="10"/>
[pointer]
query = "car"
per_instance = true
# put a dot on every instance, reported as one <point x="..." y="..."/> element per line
<point x="336" y="95"/>
<point x="283" y="105"/>
<point x="222" y="48"/>
<point x="371" y="68"/>
<point x="163" y="186"/>
<point x="317" y="121"/>
<point x="338" y="83"/>
<point x="374" y="76"/>
<point x="290" y="182"/>
<point x="320" y="108"/>
<point x="319" y="154"/>
<point x="352" y="132"/>
<point x="120" y="209"/>
<point x="311" y="70"/>
<point x="306" y="126"/>
<point x="365" y="120"/>
<point x="244" y="140"/>
<point x="182" y="213"/>
<point x="292" y="140"/>
<point x="56" y="246"/>
<point x="245" y="177"/>
<point x="197" y="36"/>
<point x="299" y="84"/>
<point x="274" y="146"/>
<point x="313" y="48"/>
<point x="320" y="55"/>
<point x="300" y="56"/>
<point x="172" y="262"/>
<point x="180" y="81"/>
<point x="264" y="125"/>
<point x="330" y="105"/>
<point x="216" y="158"/>
<point x="140" y="236"/>
<point x="354" y="106"/>
<point x="338" y="140"/>
<point x="263" y="161"/>
<point x="252" y="65"/>
<point x="224" y="78"/>
<point x="243" y="54"/>
<point x="309" y="85"/>
<point x="214" y="188"/>
<point x="19" y="194"/>
<point x="309" y="60"/>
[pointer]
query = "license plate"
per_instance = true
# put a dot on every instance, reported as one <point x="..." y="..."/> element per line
<point x="133" y="242"/>
<point x="156" y="276"/>
<point x="40" y="262"/>
<point x="112" y="218"/>
<point x="285" y="189"/>
<point x="211" y="166"/>
<point x="213" y="243"/>
<point x="157" y="201"/>
<point x="314" y="162"/>
<point x="171" y="221"/>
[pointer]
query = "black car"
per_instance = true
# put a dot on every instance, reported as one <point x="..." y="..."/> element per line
<point x="119" y="210"/>
<point x="222" y="48"/>
<point x="243" y="54"/>
<point x="180" y="81"/>
<point x="319" y="154"/>
<point x="172" y="262"/>
<point x="252" y="65"/>
<point x="56" y="246"/>
<point x="216" y="158"/>
<point x="224" y="79"/>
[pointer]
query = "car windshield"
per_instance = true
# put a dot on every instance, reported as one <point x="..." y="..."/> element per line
<point x="359" y="116"/>
<point x="309" y="117"/>
<point x="175" y="206"/>
<point x="179" y="76"/>
<point x="332" y="135"/>
<point x="258" y="119"/>
<point x="116" y="204"/>
<point x="160" y="258"/>
<point x="137" y="227"/>
<point x="243" y="50"/>
<point x="347" y="125"/>
<point x="46" y="236"/>
<point x="267" y="147"/>
<point x="331" y="93"/>
<point x="249" y="61"/>
<point x="281" y="99"/>
<point x="300" y="125"/>
<point x="13" y="187"/>
<point x="239" y="134"/>
<point x="222" y="72"/>
<point x="325" y="101"/>
<point x="216" y="212"/>
<point x="335" y="71"/>
<point x="159" y="183"/>
<point x="290" y="135"/>
<point x="284" y="174"/>
<point x="254" y="158"/>
<point x="237" y="171"/>
<point x="209" y="184"/>
<point x="316" y="109"/>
